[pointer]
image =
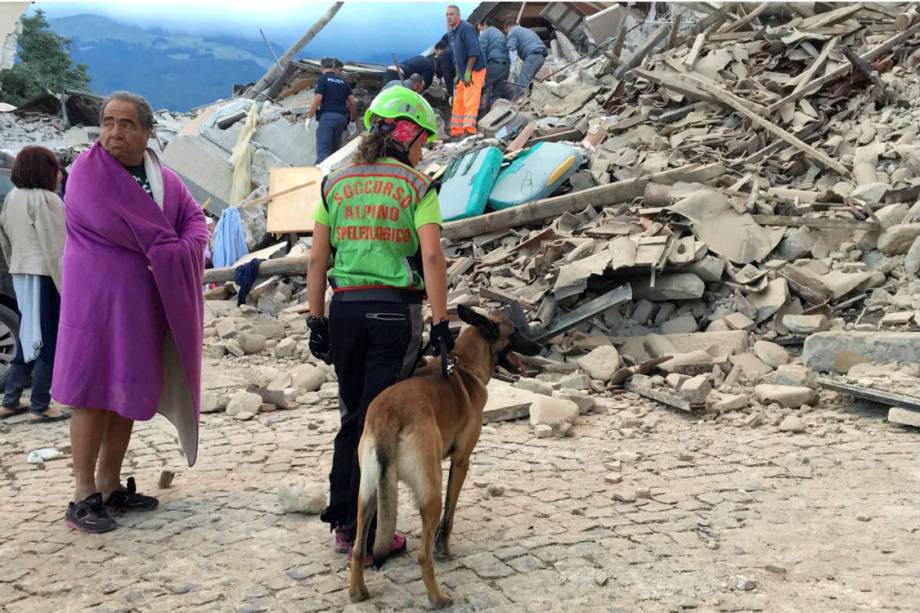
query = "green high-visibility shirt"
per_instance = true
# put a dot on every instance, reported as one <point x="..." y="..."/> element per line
<point x="373" y="212"/>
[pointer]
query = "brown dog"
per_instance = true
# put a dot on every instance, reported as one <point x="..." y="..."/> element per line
<point x="413" y="425"/>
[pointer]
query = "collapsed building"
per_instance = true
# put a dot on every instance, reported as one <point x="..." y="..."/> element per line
<point x="726" y="218"/>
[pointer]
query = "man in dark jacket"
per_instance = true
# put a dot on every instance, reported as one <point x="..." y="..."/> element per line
<point x="419" y="64"/>
<point x="444" y="66"/>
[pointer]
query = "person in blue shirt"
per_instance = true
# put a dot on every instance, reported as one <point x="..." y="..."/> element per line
<point x="415" y="82"/>
<point x="419" y="64"/>
<point x="334" y="106"/>
<point x="495" y="49"/>
<point x="444" y="65"/>
<point x="471" y="72"/>
<point x="527" y="45"/>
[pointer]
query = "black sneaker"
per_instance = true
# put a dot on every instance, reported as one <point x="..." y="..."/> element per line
<point x="126" y="499"/>
<point x="89" y="515"/>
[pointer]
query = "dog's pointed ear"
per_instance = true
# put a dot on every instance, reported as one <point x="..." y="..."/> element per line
<point x="483" y="323"/>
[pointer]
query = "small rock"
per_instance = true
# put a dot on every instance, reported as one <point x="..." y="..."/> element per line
<point x="233" y="346"/>
<point x="308" y="378"/>
<point x="721" y="402"/>
<point x="788" y="396"/>
<point x="244" y="415"/>
<point x="626" y="456"/>
<point x="745" y="584"/>
<point x="912" y="259"/>
<point x="696" y="389"/>
<point x="226" y="328"/>
<point x="601" y="363"/>
<point x="286" y="348"/>
<point x="494" y="490"/>
<point x="792" y="423"/>
<point x="575" y="381"/>
<point x="252" y="343"/>
<point x="613" y="478"/>
<point x="552" y="411"/>
<point x="624" y="495"/>
<point x="771" y="354"/>
<point x="210" y="402"/>
<point x="244" y="402"/>
<point x="585" y="403"/>
<point x="543" y="431"/>
<point x="643" y="492"/>
<point x="793" y="374"/>
<point x="298" y="497"/>
<point x="535" y="385"/>
<point x="805" y="324"/>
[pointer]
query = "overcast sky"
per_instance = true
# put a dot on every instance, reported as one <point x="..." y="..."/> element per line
<point x="376" y="24"/>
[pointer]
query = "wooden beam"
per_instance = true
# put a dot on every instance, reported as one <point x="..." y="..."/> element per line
<point x="280" y="266"/>
<point x="690" y="60"/>
<point x="805" y="77"/>
<point x="740" y="23"/>
<point x="647" y="46"/>
<point x="736" y="103"/>
<point x="810" y="222"/>
<point x="601" y="195"/>
<point x="844" y="70"/>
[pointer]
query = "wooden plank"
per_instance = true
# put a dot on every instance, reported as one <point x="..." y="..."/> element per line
<point x="291" y="210"/>
<point x="698" y="43"/>
<point x="828" y="18"/>
<point x="647" y="46"/>
<point x="458" y="268"/>
<point x="676" y="82"/>
<point x="736" y="103"/>
<point x="740" y="23"/>
<point x="280" y="266"/>
<point x="585" y="312"/>
<point x="827" y="224"/>
<point x="844" y="70"/>
<point x="805" y="77"/>
<point x="874" y="395"/>
<point x="499" y="295"/>
<point x="601" y="195"/>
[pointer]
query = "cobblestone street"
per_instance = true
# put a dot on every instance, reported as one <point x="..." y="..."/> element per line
<point x="707" y="517"/>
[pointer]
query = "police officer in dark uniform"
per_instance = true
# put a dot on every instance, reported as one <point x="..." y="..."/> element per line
<point x="334" y="106"/>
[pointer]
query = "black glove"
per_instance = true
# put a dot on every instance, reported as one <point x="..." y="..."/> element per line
<point x="440" y="335"/>
<point x="319" y="338"/>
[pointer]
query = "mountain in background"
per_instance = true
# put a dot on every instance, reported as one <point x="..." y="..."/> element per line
<point x="173" y="71"/>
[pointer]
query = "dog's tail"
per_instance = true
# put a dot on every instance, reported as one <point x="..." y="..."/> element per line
<point x="382" y="476"/>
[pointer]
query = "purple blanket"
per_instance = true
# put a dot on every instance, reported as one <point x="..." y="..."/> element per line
<point x="131" y="284"/>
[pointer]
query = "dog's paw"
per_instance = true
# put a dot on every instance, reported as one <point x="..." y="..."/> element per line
<point x="443" y="602"/>
<point x="358" y="594"/>
<point x="441" y="553"/>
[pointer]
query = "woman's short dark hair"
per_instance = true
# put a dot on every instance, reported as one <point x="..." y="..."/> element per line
<point x="35" y="168"/>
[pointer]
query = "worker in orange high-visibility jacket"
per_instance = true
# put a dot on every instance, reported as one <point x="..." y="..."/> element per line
<point x="471" y="73"/>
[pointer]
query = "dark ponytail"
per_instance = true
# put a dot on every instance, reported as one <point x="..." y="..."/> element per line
<point x="375" y="146"/>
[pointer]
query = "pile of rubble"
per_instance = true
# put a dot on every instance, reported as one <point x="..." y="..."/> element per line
<point x="751" y="184"/>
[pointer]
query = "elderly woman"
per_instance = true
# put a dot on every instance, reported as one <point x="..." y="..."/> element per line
<point x="32" y="239"/>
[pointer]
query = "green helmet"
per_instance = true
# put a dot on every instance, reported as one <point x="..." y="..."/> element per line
<point x="398" y="101"/>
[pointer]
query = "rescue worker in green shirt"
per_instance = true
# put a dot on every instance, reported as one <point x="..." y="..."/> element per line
<point x="381" y="221"/>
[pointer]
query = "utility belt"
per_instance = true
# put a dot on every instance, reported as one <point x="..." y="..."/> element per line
<point x="377" y="294"/>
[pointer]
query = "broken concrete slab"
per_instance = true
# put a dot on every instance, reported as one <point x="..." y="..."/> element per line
<point x="838" y="351"/>
<point x="896" y="240"/>
<point x="793" y="374"/>
<point x="771" y="354"/>
<point x="770" y="301"/>
<point x="904" y="417"/>
<point x="752" y="367"/>
<point x="546" y="411"/>
<point x="672" y="286"/>
<point x="806" y="324"/>
<point x="683" y="324"/>
<point x="788" y="396"/>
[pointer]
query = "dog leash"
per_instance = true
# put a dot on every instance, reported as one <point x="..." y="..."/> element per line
<point x="447" y="363"/>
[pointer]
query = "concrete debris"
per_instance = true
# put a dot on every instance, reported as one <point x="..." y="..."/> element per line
<point x="735" y="185"/>
<point x="300" y="497"/>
